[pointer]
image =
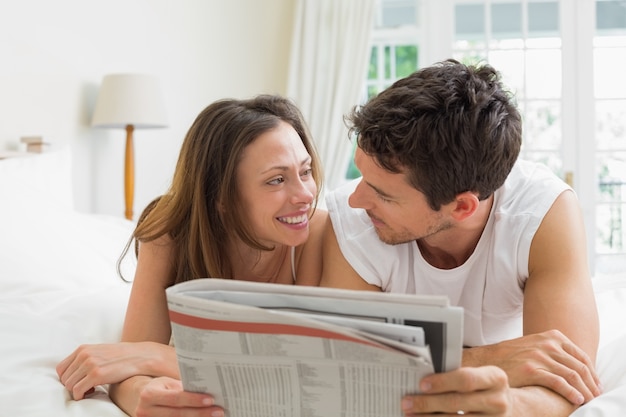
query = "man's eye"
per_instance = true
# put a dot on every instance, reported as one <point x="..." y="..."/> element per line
<point x="383" y="198"/>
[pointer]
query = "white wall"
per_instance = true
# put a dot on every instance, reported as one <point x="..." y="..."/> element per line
<point x="53" y="55"/>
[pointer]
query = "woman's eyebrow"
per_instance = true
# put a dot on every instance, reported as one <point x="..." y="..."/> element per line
<point x="305" y="161"/>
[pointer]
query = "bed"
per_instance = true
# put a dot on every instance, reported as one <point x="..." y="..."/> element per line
<point x="60" y="289"/>
<point x="59" y="285"/>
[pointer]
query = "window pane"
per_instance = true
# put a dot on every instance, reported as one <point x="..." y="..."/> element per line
<point x="609" y="41"/>
<point x="610" y="232"/>
<point x="510" y="63"/>
<point x="372" y="90"/>
<point x="470" y="57"/>
<point x="387" y="62"/>
<point x="611" y="124"/>
<point x="539" y="43"/>
<point x="542" y="125"/>
<point x="469" y="21"/>
<point x="372" y="72"/>
<point x="611" y="177"/>
<point x="543" y="73"/>
<point x="610" y="81"/>
<point x="353" y="172"/>
<point x="608" y="264"/>
<point x="543" y="19"/>
<point x="399" y="13"/>
<point x="610" y="15"/>
<point x="506" y="20"/>
<point x="406" y="60"/>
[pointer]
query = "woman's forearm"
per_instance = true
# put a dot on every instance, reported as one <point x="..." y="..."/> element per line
<point x="125" y="394"/>
<point x="162" y="360"/>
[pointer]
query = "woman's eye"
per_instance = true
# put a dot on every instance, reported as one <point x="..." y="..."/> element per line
<point x="307" y="172"/>
<point x="276" y="181"/>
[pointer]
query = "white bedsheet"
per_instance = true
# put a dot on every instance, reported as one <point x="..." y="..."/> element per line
<point x="611" y="361"/>
<point x="60" y="289"/>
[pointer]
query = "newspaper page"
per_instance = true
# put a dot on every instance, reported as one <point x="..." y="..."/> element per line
<point x="267" y="350"/>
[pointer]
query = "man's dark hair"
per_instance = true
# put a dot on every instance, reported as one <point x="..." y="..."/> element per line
<point x="450" y="128"/>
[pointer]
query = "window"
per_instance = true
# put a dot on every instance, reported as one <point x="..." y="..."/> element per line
<point x="394" y="52"/>
<point x="609" y="54"/>
<point x="562" y="59"/>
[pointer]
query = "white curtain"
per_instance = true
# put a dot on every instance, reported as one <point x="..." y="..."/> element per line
<point x="328" y="65"/>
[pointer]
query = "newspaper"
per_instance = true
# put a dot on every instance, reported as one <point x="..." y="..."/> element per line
<point x="272" y="350"/>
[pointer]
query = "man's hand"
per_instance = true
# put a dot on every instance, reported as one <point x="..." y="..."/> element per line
<point x="547" y="359"/>
<point x="483" y="390"/>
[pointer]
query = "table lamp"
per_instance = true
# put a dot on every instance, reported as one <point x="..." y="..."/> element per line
<point x="129" y="101"/>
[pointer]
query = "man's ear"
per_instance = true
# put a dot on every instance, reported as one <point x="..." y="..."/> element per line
<point x="466" y="205"/>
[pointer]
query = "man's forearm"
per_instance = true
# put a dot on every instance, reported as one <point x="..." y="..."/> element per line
<point x="540" y="402"/>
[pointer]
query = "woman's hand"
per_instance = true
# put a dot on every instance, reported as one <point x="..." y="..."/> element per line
<point x="165" y="397"/>
<point x="92" y="365"/>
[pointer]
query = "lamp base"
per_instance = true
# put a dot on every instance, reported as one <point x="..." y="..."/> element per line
<point x="129" y="173"/>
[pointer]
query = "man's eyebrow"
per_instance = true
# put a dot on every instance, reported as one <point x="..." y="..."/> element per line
<point x="379" y="191"/>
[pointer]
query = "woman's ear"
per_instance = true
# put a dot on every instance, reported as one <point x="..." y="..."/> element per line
<point x="466" y="205"/>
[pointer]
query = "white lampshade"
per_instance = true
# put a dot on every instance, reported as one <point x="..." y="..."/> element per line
<point x="130" y="99"/>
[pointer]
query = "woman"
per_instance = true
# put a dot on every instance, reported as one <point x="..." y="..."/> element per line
<point x="242" y="205"/>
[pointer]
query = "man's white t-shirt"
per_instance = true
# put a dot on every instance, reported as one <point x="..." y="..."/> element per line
<point x="490" y="284"/>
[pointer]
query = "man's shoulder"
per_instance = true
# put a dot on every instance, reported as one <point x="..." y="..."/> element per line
<point x="529" y="172"/>
<point x="530" y="188"/>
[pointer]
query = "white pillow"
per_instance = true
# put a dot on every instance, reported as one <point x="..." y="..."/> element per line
<point x="37" y="182"/>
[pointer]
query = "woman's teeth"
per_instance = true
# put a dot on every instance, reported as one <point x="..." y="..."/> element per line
<point x="293" y="220"/>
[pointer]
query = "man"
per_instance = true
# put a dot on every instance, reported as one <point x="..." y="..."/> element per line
<point x="445" y="207"/>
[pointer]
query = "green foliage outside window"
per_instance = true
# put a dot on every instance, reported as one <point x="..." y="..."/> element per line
<point x="398" y="62"/>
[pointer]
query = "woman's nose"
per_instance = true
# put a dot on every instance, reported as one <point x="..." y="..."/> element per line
<point x="304" y="192"/>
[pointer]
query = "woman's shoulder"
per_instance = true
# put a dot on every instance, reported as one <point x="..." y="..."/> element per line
<point x="156" y="258"/>
<point x="318" y="220"/>
<point x="308" y="263"/>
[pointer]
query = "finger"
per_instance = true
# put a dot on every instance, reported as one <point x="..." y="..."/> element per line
<point x="464" y="379"/>
<point x="62" y="366"/>
<point x="158" y="411"/>
<point x="578" y="360"/>
<point x="562" y="387"/>
<point x="490" y="402"/>
<point x="169" y="392"/>
<point x="77" y="382"/>
<point x="568" y="376"/>
<point x="71" y="366"/>
<point x="79" y="379"/>
<point x="561" y="367"/>
<point x="588" y="372"/>
<point x="81" y="390"/>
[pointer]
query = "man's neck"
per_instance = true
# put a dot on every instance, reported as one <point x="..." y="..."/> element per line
<point x="452" y="247"/>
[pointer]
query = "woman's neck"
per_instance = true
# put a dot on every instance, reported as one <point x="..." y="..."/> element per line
<point x="251" y="264"/>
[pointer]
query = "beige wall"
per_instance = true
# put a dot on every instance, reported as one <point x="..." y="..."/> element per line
<point x="53" y="55"/>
